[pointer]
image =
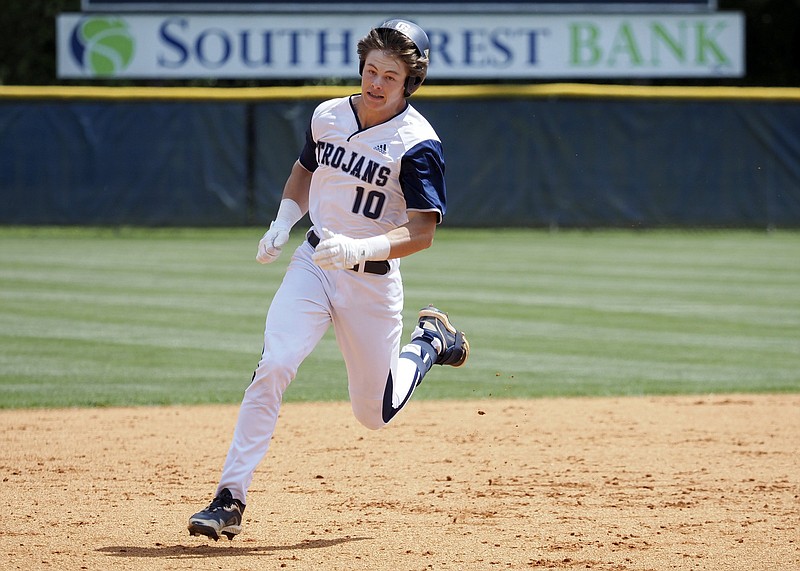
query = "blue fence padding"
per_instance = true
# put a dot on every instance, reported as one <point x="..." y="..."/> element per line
<point x="112" y="163"/>
<point x="566" y="162"/>
<point x="620" y="163"/>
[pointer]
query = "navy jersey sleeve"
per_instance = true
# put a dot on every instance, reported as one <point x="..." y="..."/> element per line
<point x="308" y="156"/>
<point x="422" y="178"/>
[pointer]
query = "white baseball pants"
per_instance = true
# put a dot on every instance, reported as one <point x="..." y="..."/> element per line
<point x="366" y="313"/>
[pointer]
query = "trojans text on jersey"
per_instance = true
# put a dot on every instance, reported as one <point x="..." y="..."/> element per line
<point x="355" y="164"/>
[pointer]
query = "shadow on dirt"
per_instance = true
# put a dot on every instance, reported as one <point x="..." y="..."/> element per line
<point x="219" y="549"/>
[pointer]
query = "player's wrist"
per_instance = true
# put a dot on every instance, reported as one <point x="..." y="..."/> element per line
<point x="375" y="248"/>
<point x="289" y="213"/>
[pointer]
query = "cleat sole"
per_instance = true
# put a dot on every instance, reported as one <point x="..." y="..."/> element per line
<point x="197" y="529"/>
<point x="465" y="350"/>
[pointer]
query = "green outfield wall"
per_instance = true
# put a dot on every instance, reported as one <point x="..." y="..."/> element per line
<point x="556" y="155"/>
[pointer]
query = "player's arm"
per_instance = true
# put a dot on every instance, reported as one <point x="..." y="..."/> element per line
<point x="338" y="252"/>
<point x="424" y="189"/>
<point x="297" y="186"/>
<point x="294" y="204"/>
<point x="414" y="236"/>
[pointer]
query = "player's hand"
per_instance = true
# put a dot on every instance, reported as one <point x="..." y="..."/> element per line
<point x="337" y="251"/>
<point x="271" y="245"/>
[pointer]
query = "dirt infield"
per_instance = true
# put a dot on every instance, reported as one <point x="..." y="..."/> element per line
<point x="708" y="482"/>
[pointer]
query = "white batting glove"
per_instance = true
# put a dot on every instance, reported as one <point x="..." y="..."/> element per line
<point x="272" y="243"/>
<point x="269" y="248"/>
<point x="339" y="252"/>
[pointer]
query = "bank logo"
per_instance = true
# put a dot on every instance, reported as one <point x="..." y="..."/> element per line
<point x="102" y="46"/>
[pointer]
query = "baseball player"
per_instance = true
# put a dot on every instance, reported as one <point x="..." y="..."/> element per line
<point x="371" y="177"/>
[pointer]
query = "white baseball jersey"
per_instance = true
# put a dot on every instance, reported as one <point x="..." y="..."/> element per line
<point x="365" y="180"/>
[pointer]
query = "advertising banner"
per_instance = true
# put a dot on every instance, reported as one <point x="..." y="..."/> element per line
<point x="517" y="6"/>
<point x="464" y="46"/>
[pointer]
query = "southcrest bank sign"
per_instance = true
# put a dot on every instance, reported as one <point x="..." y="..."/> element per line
<point x="465" y="46"/>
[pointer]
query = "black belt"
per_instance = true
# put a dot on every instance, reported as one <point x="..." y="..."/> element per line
<point x="370" y="266"/>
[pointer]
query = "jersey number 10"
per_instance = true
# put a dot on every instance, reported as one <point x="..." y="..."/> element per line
<point x="372" y="206"/>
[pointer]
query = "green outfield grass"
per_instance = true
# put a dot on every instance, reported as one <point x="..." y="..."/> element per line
<point x="104" y="317"/>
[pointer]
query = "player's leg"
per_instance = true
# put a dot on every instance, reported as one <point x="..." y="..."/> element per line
<point x="435" y="341"/>
<point x="297" y="319"/>
<point x="368" y="322"/>
<point x="381" y="381"/>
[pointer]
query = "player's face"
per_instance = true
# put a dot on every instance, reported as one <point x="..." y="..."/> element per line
<point x="382" y="84"/>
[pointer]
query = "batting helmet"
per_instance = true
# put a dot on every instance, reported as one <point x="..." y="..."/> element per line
<point x="420" y="39"/>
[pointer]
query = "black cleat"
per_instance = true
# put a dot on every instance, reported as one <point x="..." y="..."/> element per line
<point x="222" y="516"/>
<point x="453" y="347"/>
